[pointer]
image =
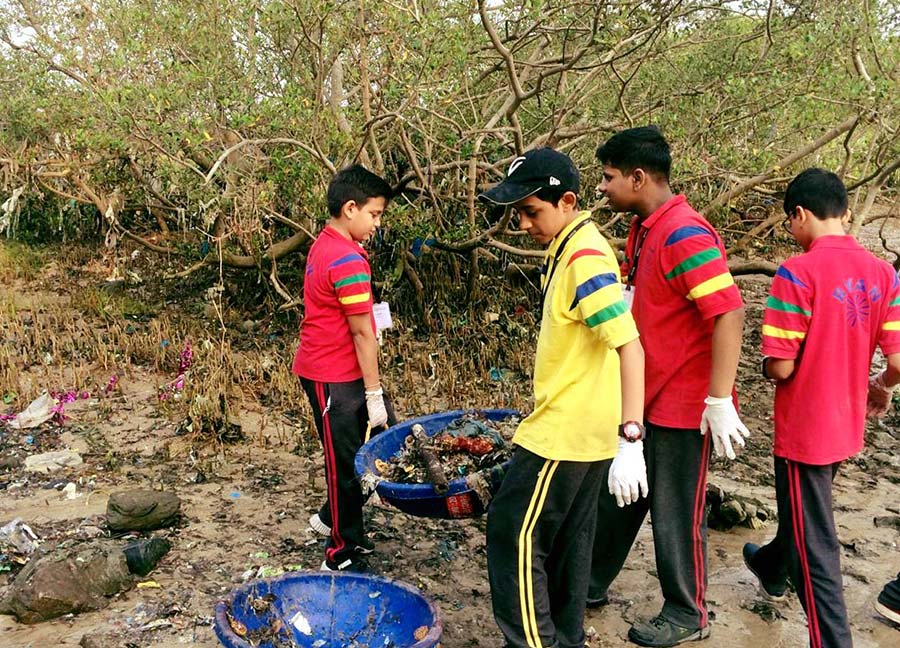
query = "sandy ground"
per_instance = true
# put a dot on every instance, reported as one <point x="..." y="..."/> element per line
<point x="246" y="507"/>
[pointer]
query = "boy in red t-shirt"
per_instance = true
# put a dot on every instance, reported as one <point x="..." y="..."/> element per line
<point x="690" y="316"/>
<point x="337" y="361"/>
<point x="827" y="310"/>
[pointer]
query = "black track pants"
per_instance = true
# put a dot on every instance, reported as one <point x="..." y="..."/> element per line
<point x="539" y="533"/>
<point x="677" y="464"/>
<point x="806" y="548"/>
<point x="339" y="410"/>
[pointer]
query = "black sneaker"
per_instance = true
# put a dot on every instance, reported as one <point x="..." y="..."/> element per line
<point x="660" y="633"/>
<point x="366" y="547"/>
<point x="356" y="564"/>
<point x="774" y="590"/>
<point x="886" y="605"/>
<point x="594" y="602"/>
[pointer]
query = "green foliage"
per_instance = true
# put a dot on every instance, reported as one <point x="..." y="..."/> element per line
<point x="223" y="120"/>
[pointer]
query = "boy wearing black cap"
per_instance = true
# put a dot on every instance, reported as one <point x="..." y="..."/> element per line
<point x="541" y="523"/>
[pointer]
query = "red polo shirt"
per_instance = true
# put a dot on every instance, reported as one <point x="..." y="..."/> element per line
<point x="338" y="283"/>
<point x="676" y="263"/>
<point x="827" y="309"/>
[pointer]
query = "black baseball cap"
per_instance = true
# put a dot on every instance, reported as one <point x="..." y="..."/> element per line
<point x="530" y="173"/>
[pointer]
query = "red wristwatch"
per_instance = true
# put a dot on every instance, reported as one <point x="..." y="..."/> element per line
<point x="631" y="431"/>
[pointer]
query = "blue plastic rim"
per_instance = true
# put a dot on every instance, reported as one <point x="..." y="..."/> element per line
<point x="421" y="499"/>
<point x="328" y="610"/>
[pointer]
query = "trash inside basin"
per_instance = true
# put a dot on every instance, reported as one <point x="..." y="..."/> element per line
<point x="327" y="610"/>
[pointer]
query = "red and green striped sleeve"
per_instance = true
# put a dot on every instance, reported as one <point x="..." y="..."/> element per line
<point x="889" y="338"/>
<point x="787" y="316"/>
<point x="694" y="265"/>
<point x="352" y="281"/>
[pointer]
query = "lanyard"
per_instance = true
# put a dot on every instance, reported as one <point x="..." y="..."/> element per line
<point x="638" y="246"/>
<point x="556" y="258"/>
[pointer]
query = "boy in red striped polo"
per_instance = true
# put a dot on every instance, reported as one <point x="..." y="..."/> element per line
<point x="690" y="316"/>
<point x="827" y="310"/>
<point x="337" y="360"/>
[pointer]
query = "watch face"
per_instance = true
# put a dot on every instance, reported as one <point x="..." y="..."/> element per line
<point x="632" y="432"/>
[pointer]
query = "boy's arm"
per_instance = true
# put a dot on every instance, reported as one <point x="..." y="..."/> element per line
<point x="726" y="351"/>
<point x="694" y="265"/>
<point x="592" y="278"/>
<point x="631" y="369"/>
<point x="720" y="418"/>
<point x="627" y="479"/>
<point x="778" y="368"/>
<point x="366" y="346"/>
<point x="882" y="385"/>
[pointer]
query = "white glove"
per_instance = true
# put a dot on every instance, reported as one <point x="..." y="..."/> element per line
<point x="375" y="407"/>
<point x="628" y="473"/>
<point x="723" y="421"/>
<point x="879" y="400"/>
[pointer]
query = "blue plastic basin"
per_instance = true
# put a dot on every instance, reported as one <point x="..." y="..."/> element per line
<point x="328" y="610"/>
<point x="421" y="499"/>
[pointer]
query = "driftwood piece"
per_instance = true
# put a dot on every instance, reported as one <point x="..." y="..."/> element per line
<point x="432" y="464"/>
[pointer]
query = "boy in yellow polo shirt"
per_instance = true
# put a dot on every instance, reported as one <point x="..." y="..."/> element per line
<point x="588" y="383"/>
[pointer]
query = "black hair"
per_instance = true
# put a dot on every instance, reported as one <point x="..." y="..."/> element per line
<point x="821" y="192"/>
<point x="637" y="148"/>
<point x="552" y="194"/>
<point x="358" y="184"/>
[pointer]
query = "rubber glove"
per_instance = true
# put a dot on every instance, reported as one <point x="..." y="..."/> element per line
<point x="879" y="400"/>
<point x="628" y="473"/>
<point x="375" y="407"/>
<point x="722" y="420"/>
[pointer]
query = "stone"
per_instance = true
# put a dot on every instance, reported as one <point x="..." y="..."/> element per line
<point x="732" y="512"/>
<point x="48" y="462"/>
<point x="67" y="580"/>
<point x="141" y="510"/>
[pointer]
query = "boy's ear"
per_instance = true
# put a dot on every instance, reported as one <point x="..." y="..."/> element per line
<point x="349" y="208"/>
<point x="638" y="179"/>
<point x="569" y="199"/>
<point x="847" y="216"/>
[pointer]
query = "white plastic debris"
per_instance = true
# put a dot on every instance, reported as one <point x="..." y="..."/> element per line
<point x="20" y="536"/>
<point x="300" y="622"/>
<point x="40" y="411"/>
<point x="70" y="491"/>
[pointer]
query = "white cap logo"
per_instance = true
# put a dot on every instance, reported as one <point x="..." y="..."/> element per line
<point x="515" y="165"/>
<point x="554" y="181"/>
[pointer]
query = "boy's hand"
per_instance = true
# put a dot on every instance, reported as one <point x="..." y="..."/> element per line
<point x="375" y="407"/>
<point x="722" y="421"/>
<point x="628" y="473"/>
<point x="879" y="400"/>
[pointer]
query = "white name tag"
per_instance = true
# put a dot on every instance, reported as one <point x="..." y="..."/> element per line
<point x="382" y="313"/>
<point x="628" y="295"/>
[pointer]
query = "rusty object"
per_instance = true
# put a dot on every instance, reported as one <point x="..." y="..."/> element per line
<point x="433" y="469"/>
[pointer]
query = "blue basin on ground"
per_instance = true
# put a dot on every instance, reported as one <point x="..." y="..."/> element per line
<point x="327" y="610"/>
<point x="459" y="501"/>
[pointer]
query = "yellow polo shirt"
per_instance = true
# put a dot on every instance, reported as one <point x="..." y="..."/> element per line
<point x="577" y="385"/>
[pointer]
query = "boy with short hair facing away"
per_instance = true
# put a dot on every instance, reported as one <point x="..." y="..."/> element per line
<point x="588" y="383"/>
<point x="827" y="310"/>
<point x="690" y="316"/>
<point x="337" y="360"/>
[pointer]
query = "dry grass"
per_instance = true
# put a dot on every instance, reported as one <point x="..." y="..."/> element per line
<point x="80" y="335"/>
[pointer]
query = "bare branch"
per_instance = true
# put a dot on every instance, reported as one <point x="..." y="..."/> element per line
<point x="732" y="193"/>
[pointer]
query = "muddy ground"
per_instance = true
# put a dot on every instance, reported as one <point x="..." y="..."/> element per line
<point x="246" y="506"/>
